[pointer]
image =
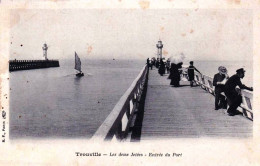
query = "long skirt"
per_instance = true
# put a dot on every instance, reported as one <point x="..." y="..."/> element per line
<point x="175" y="79"/>
<point x="162" y="70"/>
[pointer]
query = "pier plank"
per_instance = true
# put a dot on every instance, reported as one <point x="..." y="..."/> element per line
<point x="186" y="112"/>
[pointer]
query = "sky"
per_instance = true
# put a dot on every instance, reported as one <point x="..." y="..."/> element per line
<point x="200" y="34"/>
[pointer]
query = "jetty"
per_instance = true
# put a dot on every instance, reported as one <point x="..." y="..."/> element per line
<point x="31" y="64"/>
<point x="151" y="109"/>
<point x="15" y="65"/>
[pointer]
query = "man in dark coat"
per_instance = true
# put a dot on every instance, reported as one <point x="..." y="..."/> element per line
<point x="219" y="81"/>
<point x="234" y="99"/>
<point x="161" y="68"/>
<point x="148" y="62"/>
<point x="157" y="63"/>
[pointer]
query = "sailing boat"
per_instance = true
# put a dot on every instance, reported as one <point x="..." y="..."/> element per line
<point x="78" y="66"/>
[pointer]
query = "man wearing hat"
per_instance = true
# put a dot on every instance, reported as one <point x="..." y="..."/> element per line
<point x="219" y="81"/>
<point x="234" y="99"/>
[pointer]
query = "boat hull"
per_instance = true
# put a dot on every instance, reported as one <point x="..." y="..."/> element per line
<point x="80" y="74"/>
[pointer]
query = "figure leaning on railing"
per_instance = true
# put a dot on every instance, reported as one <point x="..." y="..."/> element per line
<point x="219" y="81"/>
<point x="233" y="97"/>
<point x="191" y="69"/>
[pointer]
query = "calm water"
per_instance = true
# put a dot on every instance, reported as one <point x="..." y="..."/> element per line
<point x="54" y="103"/>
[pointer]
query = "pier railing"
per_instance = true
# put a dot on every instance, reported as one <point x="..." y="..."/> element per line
<point x="206" y="83"/>
<point x="119" y="121"/>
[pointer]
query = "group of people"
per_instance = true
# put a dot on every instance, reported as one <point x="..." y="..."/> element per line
<point x="222" y="82"/>
<point x="176" y="70"/>
<point x="161" y="64"/>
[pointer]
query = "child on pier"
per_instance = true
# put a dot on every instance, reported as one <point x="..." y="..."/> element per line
<point x="191" y="69"/>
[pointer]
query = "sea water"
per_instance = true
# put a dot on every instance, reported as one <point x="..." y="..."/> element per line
<point x="54" y="103"/>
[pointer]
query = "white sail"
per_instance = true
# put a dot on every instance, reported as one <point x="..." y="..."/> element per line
<point x="77" y="62"/>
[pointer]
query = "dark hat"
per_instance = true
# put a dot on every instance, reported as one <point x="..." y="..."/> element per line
<point x="191" y="62"/>
<point x="241" y="70"/>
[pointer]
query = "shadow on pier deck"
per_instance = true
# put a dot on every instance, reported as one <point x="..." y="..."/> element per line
<point x="186" y="112"/>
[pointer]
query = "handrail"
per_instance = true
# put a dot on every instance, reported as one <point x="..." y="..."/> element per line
<point x="117" y="124"/>
<point x="206" y="83"/>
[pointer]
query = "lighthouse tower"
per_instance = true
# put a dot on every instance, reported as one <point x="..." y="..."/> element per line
<point x="45" y="48"/>
<point x="159" y="46"/>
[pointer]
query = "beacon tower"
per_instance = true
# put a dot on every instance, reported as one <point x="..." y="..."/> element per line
<point x="159" y="46"/>
<point x="45" y="48"/>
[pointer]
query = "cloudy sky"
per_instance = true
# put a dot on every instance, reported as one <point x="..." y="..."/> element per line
<point x="201" y="34"/>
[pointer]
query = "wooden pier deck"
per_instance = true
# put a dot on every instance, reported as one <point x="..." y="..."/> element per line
<point x="186" y="112"/>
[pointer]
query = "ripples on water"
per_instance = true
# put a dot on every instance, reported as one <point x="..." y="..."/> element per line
<point x="53" y="102"/>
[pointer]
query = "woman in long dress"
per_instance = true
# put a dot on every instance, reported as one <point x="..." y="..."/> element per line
<point x="162" y="68"/>
<point x="175" y="74"/>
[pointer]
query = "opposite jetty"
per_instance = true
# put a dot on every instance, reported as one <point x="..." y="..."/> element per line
<point x="33" y="64"/>
<point x="15" y="65"/>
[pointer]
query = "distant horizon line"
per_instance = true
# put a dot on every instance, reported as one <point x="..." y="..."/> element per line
<point x="136" y="59"/>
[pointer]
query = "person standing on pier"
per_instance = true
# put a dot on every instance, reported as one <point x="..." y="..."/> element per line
<point x="157" y="63"/>
<point x="161" y="68"/>
<point x="148" y="63"/>
<point x="175" y="74"/>
<point x="233" y="97"/>
<point x="151" y="64"/>
<point x="153" y="61"/>
<point x="191" y="69"/>
<point x="219" y="81"/>
<point x="168" y="65"/>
